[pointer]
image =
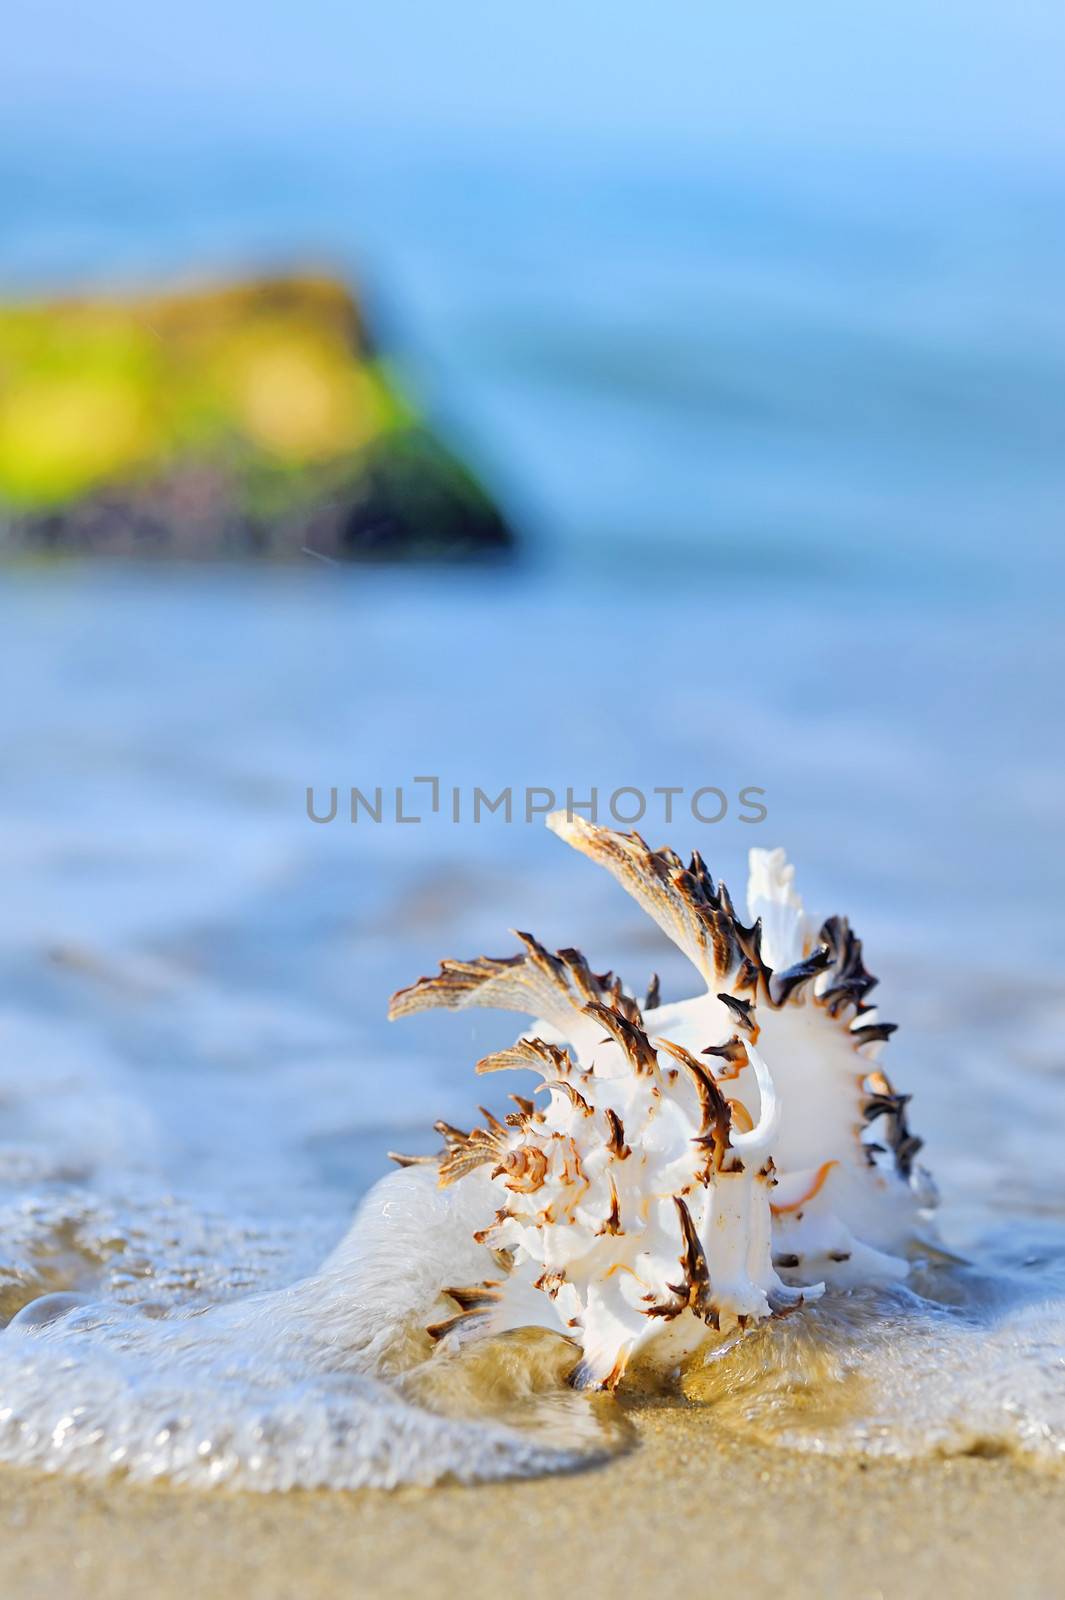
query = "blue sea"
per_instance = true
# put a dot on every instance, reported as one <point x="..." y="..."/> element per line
<point x="785" y="449"/>
<point x="840" y="370"/>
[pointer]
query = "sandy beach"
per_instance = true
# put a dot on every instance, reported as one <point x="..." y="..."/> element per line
<point x="683" y="1511"/>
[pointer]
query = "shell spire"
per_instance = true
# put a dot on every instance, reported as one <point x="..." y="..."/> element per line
<point x="657" y="1187"/>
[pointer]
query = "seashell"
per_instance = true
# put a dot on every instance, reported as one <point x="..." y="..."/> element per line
<point x="677" y="1159"/>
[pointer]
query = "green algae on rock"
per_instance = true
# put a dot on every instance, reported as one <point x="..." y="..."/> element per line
<point x="249" y="419"/>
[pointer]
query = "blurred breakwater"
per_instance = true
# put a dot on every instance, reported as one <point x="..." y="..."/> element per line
<point x="255" y="418"/>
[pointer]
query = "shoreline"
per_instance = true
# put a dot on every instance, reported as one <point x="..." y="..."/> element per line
<point x="685" y="1508"/>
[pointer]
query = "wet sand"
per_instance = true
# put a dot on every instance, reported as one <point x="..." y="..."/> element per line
<point x="684" y="1511"/>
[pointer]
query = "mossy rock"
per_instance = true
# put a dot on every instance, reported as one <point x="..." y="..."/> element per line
<point x="250" y="419"/>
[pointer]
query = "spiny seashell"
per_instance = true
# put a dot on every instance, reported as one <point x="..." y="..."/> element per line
<point x="683" y="1156"/>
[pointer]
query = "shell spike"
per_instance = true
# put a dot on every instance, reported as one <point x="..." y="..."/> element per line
<point x="529" y="1054"/>
<point x="616" y="1142"/>
<point x="760" y="1139"/>
<point x="574" y="1096"/>
<point x="716" y="1114"/>
<point x="629" y="1035"/>
<point x="696" y="1285"/>
<point x="657" y="881"/>
<point x="742" y="1012"/>
<point x="537" y="984"/>
<point x="790" y="984"/>
<point x="733" y="1053"/>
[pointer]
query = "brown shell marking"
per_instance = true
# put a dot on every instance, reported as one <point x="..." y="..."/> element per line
<point x="611" y="1223"/>
<point x="844" y="997"/>
<point x="574" y="1178"/>
<point x="743" y="1015"/>
<point x="716" y="1111"/>
<point x="616" y="1143"/>
<point x="885" y="1103"/>
<point x="537" y="983"/>
<point x="463" y="1152"/>
<point x="733" y="1053"/>
<point x="525" y="1114"/>
<point x="790" y="983"/>
<point x="573" y="1095"/>
<point x="484" y="1235"/>
<point x="474" y="1301"/>
<point x="819" y="1180"/>
<point x="523" y="1169"/>
<point x="695" y="1289"/>
<point x="629" y="1035"/>
<point x="531" y="1053"/>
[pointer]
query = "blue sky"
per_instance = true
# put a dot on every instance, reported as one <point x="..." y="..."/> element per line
<point x="975" y="78"/>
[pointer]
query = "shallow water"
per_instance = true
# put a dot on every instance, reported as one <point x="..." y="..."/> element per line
<point x="197" y="1084"/>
